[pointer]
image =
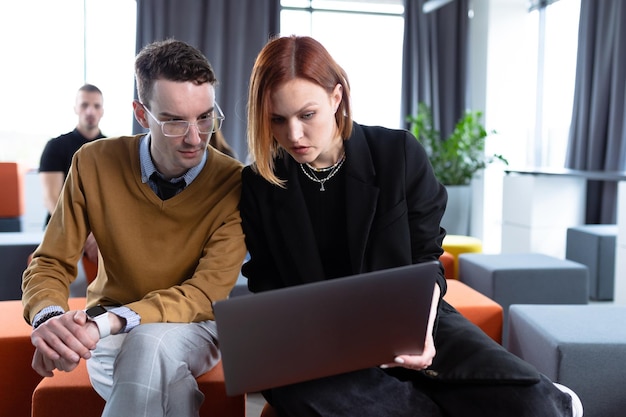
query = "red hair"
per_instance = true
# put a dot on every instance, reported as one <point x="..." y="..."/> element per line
<point x="284" y="59"/>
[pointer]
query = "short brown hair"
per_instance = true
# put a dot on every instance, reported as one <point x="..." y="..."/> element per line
<point x="170" y="60"/>
<point x="90" y="88"/>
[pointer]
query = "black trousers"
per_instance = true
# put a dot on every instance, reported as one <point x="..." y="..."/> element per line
<point x="376" y="392"/>
<point x="475" y="377"/>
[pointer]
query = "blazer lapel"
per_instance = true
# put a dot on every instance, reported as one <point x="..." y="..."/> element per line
<point x="295" y="225"/>
<point x="361" y="200"/>
<point x="361" y="196"/>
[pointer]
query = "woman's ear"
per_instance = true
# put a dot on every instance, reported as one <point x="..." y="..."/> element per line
<point x="140" y="114"/>
<point x="336" y="96"/>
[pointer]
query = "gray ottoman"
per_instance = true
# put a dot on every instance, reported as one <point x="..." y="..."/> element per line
<point x="525" y="278"/>
<point x="594" y="245"/>
<point x="14" y="251"/>
<point x="582" y="347"/>
<point x="11" y="224"/>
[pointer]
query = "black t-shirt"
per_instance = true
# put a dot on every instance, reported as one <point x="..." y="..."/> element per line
<point x="58" y="152"/>
<point x="327" y="211"/>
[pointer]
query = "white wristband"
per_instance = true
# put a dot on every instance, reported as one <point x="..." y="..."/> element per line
<point x="104" y="325"/>
<point x="100" y="316"/>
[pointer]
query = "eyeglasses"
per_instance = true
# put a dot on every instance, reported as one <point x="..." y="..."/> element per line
<point x="207" y="124"/>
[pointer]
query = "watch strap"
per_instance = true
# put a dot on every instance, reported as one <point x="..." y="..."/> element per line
<point x="104" y="326"/>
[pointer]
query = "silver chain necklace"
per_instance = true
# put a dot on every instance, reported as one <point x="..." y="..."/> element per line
<point x="333" y="170"/>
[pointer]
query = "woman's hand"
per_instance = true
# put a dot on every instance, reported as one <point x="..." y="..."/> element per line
<point x="423" y="361"/>
<point x="416" y="362"/>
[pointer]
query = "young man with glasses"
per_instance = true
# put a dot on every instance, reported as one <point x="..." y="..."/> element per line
<point x="164" y="210"/>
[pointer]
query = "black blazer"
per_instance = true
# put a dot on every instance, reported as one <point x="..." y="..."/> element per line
<point x="394" y="205"/>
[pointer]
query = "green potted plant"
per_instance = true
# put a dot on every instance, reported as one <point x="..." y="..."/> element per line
<point x="455" y="160"/>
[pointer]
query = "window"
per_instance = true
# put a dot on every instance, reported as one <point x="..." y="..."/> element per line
<point x="557" y="66"/>
<point x="531" y="68"/>
<point x="366" y="38"/>
<point x="531" y="76"/>
<point x="50" y="49"/>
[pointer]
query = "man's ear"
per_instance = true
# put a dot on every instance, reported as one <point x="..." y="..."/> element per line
<point x="140" y="114"/>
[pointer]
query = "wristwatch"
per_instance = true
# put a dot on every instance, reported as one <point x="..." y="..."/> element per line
<point x="99" y="315"/>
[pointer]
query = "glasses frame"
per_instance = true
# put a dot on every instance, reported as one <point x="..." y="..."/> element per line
<point x="217" y="122"/>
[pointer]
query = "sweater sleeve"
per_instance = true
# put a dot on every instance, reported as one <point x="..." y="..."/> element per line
<point x="54" y="266"/>
<point x="168" y="261"/>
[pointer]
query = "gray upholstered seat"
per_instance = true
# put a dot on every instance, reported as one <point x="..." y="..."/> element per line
<point x="525" y="278"/>
<point x="580" y="346"/>
<point x="594" y="245"/>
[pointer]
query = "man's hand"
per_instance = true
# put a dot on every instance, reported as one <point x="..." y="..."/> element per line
<point x="62" y="341"/>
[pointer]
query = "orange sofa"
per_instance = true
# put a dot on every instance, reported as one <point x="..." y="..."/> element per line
<point x="70" y="394"/>
<point x="476" y="307"/>
<point x="447" y="261"/>
<point x="12" y="197"/>
<point x="18" y="378"/>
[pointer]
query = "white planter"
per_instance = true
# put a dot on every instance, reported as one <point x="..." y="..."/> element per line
<point x="456" y="219"/>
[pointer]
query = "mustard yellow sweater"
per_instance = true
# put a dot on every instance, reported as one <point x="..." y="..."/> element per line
<point x="166" y="260"/>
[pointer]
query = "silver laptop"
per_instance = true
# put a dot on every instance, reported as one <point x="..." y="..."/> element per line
<point x="294" y="334"/>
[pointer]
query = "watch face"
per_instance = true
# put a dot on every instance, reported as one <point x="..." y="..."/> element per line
<point x="96" y="311"/>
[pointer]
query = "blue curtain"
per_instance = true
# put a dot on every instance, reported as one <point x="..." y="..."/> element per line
<point x="597" y="139"/>
<point x="435" y="63"/>
<point x="229" y="32"/>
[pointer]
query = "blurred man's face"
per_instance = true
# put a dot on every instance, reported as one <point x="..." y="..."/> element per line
<point x="89" y="108"/>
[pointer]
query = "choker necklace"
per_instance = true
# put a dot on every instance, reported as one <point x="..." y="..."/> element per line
<point x="332" y="170"/>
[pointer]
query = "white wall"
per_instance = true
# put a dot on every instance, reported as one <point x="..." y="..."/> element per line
<point x="35" y="213"/>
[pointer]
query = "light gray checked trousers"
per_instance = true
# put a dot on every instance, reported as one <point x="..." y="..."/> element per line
<point x="151" y="370"/>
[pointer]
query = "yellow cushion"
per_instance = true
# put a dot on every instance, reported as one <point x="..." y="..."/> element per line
<point x="458" y="244"/>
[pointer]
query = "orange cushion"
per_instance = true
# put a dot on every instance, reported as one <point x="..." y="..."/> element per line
<point x="268" y="411"/>
<point x="476" y="307"/>
<point x="91" y="269"/>
<point x="70" y="394"/>
<point x="12" y="199"/>
<point x="447" y="260"/>
<point x="20" y="380"/>
<point x="18" y="377"/>
<point x="67" y="394"/>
